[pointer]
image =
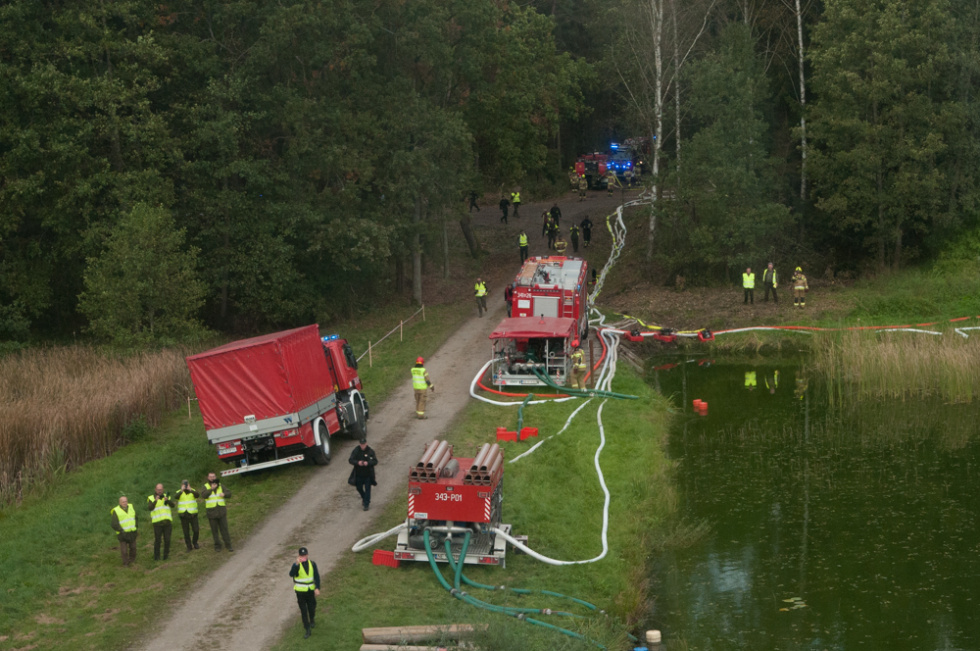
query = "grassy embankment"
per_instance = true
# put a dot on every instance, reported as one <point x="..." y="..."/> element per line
<point x="64" y="586"/>
<point x="552" y="496"/>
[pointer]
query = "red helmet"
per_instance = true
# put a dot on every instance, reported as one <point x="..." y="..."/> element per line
<point x="575" y="343"/>
<point x="420" y="361"/>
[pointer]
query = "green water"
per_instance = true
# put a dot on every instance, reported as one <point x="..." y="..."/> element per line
<point x="853" y="527"/>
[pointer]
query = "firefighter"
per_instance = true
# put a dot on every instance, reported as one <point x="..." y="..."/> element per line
<point x="772" y="381"/>
<point x="573" y="177"/>
<point x="503" y="209"/>
<point x="748" y="286"/>
<point x="214" y="505"/>
<point x="480" y="291"/>
<point x="160" y="506"/>
<point x="306" y="584"/>
<point x="800" y="288"/>
<point x="545" y="222"/>
<point x="573" y="233"/>
<point x="515" y="200"/>
<point x="509" y="297"/>
<point x="578" y="366"/>
<point x="123" y="522"/>
<point x="421" y="382"/>
<point x="560" y="244"/>
<point x="522" y="244"/>
<point x="769" y="282"/>
<point x="583" y="185"/>
<point x="187" y="510"/>
<point x="586" y="225"/>
<point x="552" y="234"/>
<point x="628" y="177"/>
<point x="611" y="182"/>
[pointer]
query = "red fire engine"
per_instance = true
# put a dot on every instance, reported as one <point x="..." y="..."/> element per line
<point x="452" y="495"/>
<point x="553" y="286"/>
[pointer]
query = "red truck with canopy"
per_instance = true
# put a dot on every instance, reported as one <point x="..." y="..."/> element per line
<point x="278" y="398"/>
<point x="524" y="347"/>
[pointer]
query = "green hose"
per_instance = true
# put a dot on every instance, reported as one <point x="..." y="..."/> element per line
<point x="518" y="613"/>
<point x="584" y="393"/>
<point x="520" y="412"/>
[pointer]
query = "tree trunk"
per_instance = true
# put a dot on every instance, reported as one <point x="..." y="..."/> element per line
<point x="677" y="93"/>
<point x="417" y="254"/>
<point x="445" y="249"/>
<point x="471" y="241"/>
<point x="656" y="29"/>
<point x="799" y="39"/>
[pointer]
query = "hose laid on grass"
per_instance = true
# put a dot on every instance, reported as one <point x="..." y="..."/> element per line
<point x="518" y="613"/>
<point x="375" y="538"/>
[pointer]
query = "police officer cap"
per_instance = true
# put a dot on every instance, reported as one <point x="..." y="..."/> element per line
<point x="303" y="551"/>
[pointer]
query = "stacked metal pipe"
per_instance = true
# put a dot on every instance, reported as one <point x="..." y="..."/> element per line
<point x="485" y="465"/>
<point x="434" y="461"/>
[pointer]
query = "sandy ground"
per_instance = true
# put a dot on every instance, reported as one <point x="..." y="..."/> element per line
<point x="252" y="589"/>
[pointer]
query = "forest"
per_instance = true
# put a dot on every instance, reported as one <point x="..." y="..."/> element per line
<point x="175" y="168"/>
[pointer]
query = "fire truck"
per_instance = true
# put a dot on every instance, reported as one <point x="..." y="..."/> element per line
<point x="593" y="166"/>
<point x="451" y="496"/>
<point x="278" y="398"/>
<point x="549" y="313"/>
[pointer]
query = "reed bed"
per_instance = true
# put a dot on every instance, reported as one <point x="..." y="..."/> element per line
<point x="899" y="365"/>
<point x="62" y="407"/>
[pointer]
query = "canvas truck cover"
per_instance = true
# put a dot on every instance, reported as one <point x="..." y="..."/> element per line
<point x="265" y="377"/>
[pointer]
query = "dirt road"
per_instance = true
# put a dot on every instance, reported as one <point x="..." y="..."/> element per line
<point x="251" y="591"/>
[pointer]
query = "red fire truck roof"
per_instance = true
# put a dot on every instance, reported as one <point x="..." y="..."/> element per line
<point x="534" y="327"/>
<point x="556" y="272"/>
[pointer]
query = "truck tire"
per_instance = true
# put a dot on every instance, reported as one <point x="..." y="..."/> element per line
<point x="359" y="426"/>
<point x="321" y="453"/>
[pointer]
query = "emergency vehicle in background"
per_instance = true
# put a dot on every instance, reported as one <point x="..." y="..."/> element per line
<point x="549" y="314"/>
<point x="593" y="167"/>
<point x="278" y="398"/>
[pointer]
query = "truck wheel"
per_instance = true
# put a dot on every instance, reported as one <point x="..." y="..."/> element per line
<point x="321" y="453"/>
<point x="359" y="427"/>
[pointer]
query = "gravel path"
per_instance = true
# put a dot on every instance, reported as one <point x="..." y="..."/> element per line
<point x="252" y="590"/>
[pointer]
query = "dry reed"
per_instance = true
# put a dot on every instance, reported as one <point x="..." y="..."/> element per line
<point x="62" y="407"/>
<point x="900" y="365"/>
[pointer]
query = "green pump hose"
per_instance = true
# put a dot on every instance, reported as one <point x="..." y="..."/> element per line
<point x="520" y="412"/>
<point x="584" y="393"/>
<point x="518" y="613"/>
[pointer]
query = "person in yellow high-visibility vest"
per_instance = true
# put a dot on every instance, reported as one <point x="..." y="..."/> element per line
<point x="769" y="283"/>
<point x="187" y="509"/>
<point x="522" y="244"/>
<point x="750" y="380"/>
<point x="160" y="506"/>
<point x="214" y="505"/>
<point x="748" y="286"/>
<point x="123" y="522"/>
<point x="421" y="382"/>
<point x="579" y="367"/>
<point x="480" y="291"/>
<point x="306" y="584"/>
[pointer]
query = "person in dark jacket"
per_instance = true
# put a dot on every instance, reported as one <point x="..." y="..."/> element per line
<point x="306" y="583"/>
<point x="362" y="475"/>
<point x="586" y="225"/>
<point x="504" y="205"/>
<point x="556" y="214"/>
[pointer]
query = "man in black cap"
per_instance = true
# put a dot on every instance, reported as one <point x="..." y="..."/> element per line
<point x="306" y="583"/>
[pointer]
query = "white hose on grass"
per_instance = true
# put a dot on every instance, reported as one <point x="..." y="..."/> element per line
<point x="375" y="538"/>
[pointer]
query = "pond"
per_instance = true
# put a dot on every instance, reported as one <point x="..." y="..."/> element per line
<point x="848" y="526"/>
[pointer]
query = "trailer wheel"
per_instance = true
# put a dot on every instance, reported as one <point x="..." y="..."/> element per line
<point x="359" y="427"/>
<point x="321" y="453"/>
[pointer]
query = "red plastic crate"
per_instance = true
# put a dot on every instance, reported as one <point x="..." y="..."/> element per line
<point x="384" y="557"/>
<point x="504" y="435"/>
<point x="527" y="432"/>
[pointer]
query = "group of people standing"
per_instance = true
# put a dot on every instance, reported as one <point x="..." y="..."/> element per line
<point x="769" y="283"/>
<point x="161" y="506"/>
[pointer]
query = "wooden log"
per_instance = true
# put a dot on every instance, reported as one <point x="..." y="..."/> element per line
<point x="393" y="635"/>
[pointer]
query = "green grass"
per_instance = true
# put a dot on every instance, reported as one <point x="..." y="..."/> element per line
<point x="64" y="586"/>
<point x="554" y="498"/>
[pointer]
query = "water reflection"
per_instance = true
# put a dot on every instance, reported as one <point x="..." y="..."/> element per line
<point x="847" y="528"/>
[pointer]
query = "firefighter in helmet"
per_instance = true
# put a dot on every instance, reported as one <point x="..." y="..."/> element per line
<point x="800" y="288"/>
<point x="421" y="382"/>
<point x="579" y="367"/>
